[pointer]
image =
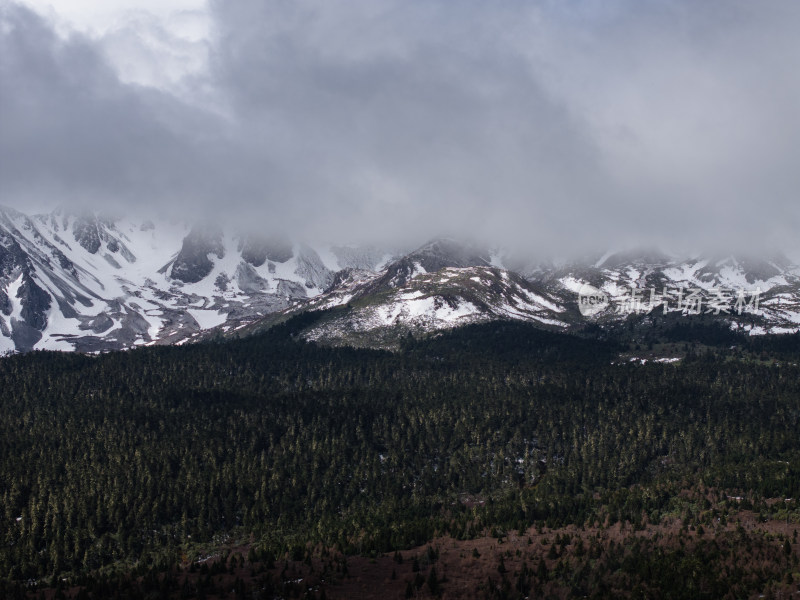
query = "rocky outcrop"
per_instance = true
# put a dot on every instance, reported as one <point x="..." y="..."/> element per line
<point x="256" y="250"/>
<point x="311" y="268"/>
<point x="85" y="232"/>
<point x="193" y="263"/>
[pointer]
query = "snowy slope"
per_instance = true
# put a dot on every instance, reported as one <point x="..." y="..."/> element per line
<point x="83" y="282"/>
<point x="444" y="285"/>
<point x="659" y="280"/>
<point x="447" y="298"/>
<point x="90" y="283"/>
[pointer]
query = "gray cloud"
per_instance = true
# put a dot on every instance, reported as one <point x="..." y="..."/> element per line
<point x="408" y="111"/>
<point x="561" y="124"/>
<point x="72" y="133"/>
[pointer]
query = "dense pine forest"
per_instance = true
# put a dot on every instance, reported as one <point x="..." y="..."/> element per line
<point x="128" y="465"/>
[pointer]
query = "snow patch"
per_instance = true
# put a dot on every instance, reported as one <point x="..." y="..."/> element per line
<point x="207" y="319"/>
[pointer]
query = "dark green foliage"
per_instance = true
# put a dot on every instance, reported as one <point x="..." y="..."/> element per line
<point x="129" y="459"/>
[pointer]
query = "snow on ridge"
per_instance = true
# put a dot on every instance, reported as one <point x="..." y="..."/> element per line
<point x="429" y="310"/>
<point x="112" y="289"/>
<point x="207" y="319"/>
<point x="538" y="300"/>
<point x="16" y="304"/>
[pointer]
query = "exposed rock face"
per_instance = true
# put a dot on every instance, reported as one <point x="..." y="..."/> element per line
<point x="88" y="283"/>
<point x="279" y="250"/>
<point x="22" y="291"/>
<point x="86" y="233"/>
<point x="443" y="253"/>
<point x="366" y="258"/>
<point x="249" y="280"/>
<point x="35" y="303"/>
<point x="311" y="267"/>
<point x="257" y="249"/>
<point x="291" y="289"/>
<point x="254" y="251"/>
<point x="95" y="234"/>
<point x="26" y="305"/>
<point x="99" y="324"/>
<point x="11" y="255"/>
<point x="192" y="263"/>
<point x="432" y="257"/>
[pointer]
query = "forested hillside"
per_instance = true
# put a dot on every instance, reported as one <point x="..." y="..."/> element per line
<point x="135" y="462"/>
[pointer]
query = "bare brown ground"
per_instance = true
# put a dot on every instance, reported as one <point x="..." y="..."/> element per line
<point x="462" y="574"/>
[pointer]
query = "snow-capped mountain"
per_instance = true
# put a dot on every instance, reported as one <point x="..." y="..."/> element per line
<point x="89" y="283"/>
<point x="413" y="296"/>
<point x="445" y="284"/>
<point x="752" y="295"/>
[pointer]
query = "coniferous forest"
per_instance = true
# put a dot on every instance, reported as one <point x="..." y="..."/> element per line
<point x="120" y="471"/>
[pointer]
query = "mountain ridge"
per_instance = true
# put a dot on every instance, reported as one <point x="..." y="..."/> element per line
<point x="89" y="283"/>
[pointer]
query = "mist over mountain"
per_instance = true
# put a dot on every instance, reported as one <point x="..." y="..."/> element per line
<point x="399" y="298"/>
<point x="561" y="127"/>
<point x="89" y="282"/>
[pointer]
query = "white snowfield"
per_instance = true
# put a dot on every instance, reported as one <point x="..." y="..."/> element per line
<point x="776" y="285"/>
<point x="77" y="282"/>
<point x="432" y="301"/>
<point x="122" y="293"/>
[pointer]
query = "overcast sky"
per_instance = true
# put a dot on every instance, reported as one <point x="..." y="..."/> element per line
<point x="561" y="122"/>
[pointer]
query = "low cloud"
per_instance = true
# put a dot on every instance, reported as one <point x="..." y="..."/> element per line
<point x="561" y="125"/>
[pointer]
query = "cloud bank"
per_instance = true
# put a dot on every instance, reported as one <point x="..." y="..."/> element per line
<point x="558" y="124"/>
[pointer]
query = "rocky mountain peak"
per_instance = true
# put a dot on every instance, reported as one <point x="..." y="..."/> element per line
<point x="193" y="263"/>
<point x="256" y="249"/>
<point x="88" y="283"/>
